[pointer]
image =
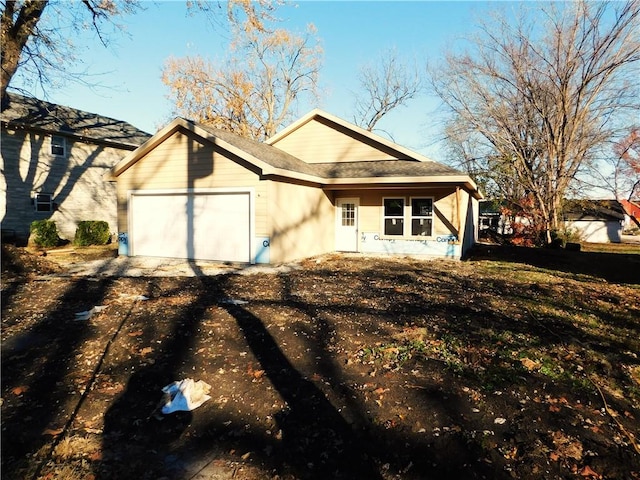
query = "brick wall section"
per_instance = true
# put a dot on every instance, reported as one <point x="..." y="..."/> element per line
<point x="75" y="180"/>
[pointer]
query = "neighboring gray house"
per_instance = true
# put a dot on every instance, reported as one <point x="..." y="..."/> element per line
<point x="53" y="160"/>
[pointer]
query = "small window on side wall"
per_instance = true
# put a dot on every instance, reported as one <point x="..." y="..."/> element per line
<point x="58" y="146"/>
<point x="393" y="216"/>
<point x="43" y="202"/>
<point x="421" y="217"/>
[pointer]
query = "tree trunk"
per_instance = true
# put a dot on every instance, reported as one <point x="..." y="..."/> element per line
<point x="14" y="36"/>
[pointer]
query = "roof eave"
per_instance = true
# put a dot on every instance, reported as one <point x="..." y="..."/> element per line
<point x="170" y="129"/>
<point x="142" y="150"/>
<point x="8" y="124"/>
<point x="378" y="182"/>
<point x="373" y="182"/>
<point x="269" y="170"/>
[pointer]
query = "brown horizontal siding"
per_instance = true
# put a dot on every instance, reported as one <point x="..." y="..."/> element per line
<point x="180" y="162"/>
<point x="301" y="221"/>
<point x="318" y="143"/>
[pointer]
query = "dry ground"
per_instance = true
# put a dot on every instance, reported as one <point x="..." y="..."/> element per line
<point x="518" y="363"/>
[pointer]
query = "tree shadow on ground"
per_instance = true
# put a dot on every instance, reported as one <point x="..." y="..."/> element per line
<point x="316" y="438"/>
<point x="40" y="410"/>
<point x="136" y="437"/>
<point x="612" y="267"/>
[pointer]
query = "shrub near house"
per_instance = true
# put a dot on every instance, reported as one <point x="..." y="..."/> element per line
<point x="44" y="233"/>
<point x="92" y="232"/>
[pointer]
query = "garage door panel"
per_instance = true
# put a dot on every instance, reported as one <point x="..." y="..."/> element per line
<point x="155" y="226"/>
<point x="207" y="226"/>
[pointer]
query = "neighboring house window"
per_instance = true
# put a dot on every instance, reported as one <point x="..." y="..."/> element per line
<point x="421" y="216"/>
<point x="58" y="146"/>
<point x="393" y="216"/>
<point x="43" y="202"/>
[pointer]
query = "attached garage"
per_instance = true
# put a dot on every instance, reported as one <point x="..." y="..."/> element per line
<point x="207" y="225"/>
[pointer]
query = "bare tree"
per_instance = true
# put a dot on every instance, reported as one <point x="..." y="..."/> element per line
<point x="628" y="169"/>
<point x="36" y="36"/>
<point x="619" y="173"/>
<point x="543" y="93"/>
<point x="385" y="84"/>
<point x="253" y="93"/>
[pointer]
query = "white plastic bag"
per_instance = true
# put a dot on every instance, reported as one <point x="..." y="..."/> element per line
<point x="86" y="315"/>
<point x="185" y="395"/>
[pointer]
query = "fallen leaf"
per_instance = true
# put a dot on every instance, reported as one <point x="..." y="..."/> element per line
<point x="588" y="472"/>
<point x="554" y="408"/>
<point x="53" y="432"/>
<point x="137" y="333"/>
<point x="20" y="390"/>
<point x="554" y="456"/>
<point x="529" y="364"/>
<point x="146" y="351"/>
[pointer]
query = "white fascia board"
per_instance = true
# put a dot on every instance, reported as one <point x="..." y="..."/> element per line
<point x="435" y="179"/>
<point x="145" y="148"/>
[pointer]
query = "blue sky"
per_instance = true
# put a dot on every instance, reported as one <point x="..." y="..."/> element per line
<point x="352" y="33"/>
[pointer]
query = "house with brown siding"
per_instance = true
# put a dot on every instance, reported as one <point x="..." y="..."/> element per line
<point x="321" y="185"/>
<point x="53" y="161"/>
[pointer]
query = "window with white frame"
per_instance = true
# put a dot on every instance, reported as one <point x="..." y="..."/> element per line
<point x="43" y="202"/>
<point x="393" y="216"/>
<point x="421" y="217"/>
<point x="58" y="146"/>
<point x="348" y="214"/>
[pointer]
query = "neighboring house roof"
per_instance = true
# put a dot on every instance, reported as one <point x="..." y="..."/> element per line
<point x="593" y="210"/>
<point x="274" y="161"/>
<point x="34" y="114"/>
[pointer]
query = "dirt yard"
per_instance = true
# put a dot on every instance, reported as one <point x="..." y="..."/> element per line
<point x="518" y="363"/>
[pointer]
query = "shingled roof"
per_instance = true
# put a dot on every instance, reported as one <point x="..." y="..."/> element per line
<point x="34" y="114"/>
<point x="361" y="169"/>
<point x="268" y="154"/>
<point x="273" y="161"/>
<point x="593" y="210"/>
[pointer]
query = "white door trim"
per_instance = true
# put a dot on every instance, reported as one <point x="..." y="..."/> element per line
<point x="347" y="237"/>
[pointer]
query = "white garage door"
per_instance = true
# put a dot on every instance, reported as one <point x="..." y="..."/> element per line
<point x="204" y="226"/>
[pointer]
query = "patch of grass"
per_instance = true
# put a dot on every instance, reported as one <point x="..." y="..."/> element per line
<point x="394" y="355"/>
<point x="623" y="248"/>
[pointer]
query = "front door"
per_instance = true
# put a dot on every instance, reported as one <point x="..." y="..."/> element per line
<point x="347" y="224"/>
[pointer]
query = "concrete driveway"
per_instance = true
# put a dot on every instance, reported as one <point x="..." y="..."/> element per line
<point x="164" y="267"/>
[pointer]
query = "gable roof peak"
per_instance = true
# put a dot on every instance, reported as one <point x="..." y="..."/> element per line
<point x="359" y="131"/>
